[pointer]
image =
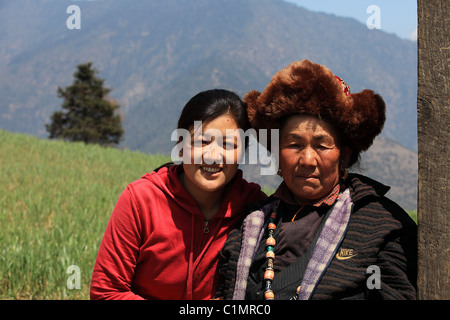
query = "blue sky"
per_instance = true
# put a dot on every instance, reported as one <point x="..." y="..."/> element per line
<point x="396" y="16"/>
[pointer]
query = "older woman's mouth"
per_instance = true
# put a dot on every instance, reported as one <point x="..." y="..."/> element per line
<point x="307" y="176"/>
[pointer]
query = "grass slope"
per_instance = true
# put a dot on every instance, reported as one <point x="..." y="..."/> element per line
<point x="55" y="201"/>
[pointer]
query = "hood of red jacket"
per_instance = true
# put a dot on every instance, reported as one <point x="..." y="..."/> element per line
<point x="239" y="191"/>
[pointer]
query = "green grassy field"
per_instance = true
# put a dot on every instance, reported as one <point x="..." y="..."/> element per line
<point x="55" y="202"/>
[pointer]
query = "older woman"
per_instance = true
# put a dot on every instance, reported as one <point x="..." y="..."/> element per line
<point x="325" y="233"/>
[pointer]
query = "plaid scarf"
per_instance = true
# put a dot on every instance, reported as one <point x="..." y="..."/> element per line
<point x="285" y="194"/>
<point x="331" y="236"/>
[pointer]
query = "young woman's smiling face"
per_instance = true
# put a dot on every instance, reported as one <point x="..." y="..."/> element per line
<point x="309" y="157"/>
<point x="214" y="151"/>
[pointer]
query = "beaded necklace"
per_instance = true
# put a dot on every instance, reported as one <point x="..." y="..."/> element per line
<point x="269" y="273"/>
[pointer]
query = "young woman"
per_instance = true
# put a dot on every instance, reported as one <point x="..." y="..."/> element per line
<point x="166" y="231"/>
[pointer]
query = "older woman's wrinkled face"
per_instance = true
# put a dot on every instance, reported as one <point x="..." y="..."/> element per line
<point x="309" y="157"/>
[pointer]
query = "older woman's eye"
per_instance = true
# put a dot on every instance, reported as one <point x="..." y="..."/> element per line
<point x="294" y="146"/>
<point x="327" y="147"/>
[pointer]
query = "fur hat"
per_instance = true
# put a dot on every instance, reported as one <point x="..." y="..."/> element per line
<point x="308" y="88"/>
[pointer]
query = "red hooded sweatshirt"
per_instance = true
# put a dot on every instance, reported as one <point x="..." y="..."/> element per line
<point x="157" y="244"/>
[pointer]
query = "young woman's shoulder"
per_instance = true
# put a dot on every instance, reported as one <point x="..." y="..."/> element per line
<point x="156" y="181"/>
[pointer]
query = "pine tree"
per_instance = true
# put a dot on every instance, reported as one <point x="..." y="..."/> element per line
<point x="88" y="115"/>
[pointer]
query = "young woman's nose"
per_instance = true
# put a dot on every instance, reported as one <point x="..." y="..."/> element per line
<point x="213" y="153"/>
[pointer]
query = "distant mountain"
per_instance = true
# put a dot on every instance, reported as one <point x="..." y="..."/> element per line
<point x="396" y="166"/>
<point x="156" y="54"/>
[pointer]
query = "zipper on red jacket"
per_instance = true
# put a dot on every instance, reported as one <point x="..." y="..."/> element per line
<point x="206" y="226"/>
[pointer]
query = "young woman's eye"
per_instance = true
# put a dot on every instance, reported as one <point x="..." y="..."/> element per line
<point x="199" y="142"/>
<point x="229" y="145"/>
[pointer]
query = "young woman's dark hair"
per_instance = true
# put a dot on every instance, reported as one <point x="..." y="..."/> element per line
<point x="211" y="104"/>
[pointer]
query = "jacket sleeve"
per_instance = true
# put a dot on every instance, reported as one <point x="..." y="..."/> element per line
<point x="229" y="256"/>
<point x="117" y="256"/>
<point x="397" y="260"/>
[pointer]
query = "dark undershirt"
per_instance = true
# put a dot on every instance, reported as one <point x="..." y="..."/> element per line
<point x="295" y="237"/>
<point x="292" y="241"/>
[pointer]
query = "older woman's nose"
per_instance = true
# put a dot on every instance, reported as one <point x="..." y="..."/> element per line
<point x="308" y="157"/>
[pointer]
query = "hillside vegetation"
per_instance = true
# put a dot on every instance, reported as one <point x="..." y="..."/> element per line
<point x="55" y="201"/>
<point x="156" y="55"/>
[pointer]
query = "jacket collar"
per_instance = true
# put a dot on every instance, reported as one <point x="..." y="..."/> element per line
<point x="362" y="187"/>
<point x="238" y="191"/>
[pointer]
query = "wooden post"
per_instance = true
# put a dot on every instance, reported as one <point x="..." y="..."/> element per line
<point x="433" y="120"/>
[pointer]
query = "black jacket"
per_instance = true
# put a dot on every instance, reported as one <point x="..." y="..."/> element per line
<point x="380" y="239"/>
